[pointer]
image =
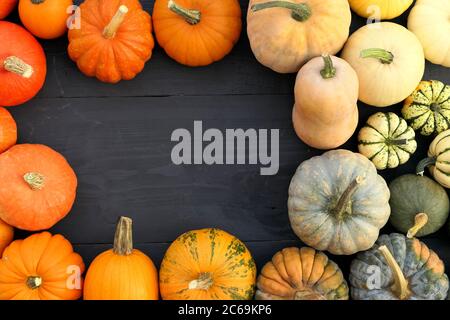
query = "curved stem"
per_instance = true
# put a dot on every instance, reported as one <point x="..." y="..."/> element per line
<point x="384" y="56"/>
<point x="204" y="282"/>
<point x="123" y="239"/>
<point x="37" y="1"/>
<point x="34" y="282"/>
<point x="423" y="164"/>
<point x="308" y="295"/>
<point x="35" y="180"/>
<point x="399" y="142"/>
<point x="400" y="286"/>
<point x="420" y="220"/>
<point x="190" y="15"/>
<point x="329" y="71"/>
<point x="110" y="30"/>
<point x="18" y="66"/>
<point x="300" y="11"/>
<point x="343" y="201"/>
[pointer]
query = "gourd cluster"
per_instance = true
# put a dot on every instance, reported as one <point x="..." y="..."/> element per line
<point x="337" y="202"/>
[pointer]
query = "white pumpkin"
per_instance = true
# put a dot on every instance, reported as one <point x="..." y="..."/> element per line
<point x="389" y="61"/>
<point x="430" y="22"/>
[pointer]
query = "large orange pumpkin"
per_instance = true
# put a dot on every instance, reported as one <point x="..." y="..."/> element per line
<point x="6" y="6"/>
<point x="197" y="33"/>
<point x="22" y="65"/>
<point x="46" y="19"/>
<point x="8" y="130"/>
<point x="41" y="187"/>
<point x="6" y="235"/>
<point x="122" y="273"/>
<point x="207" y="264"/>
<point x="115" y="39"/>
<point x="41" y="267"/>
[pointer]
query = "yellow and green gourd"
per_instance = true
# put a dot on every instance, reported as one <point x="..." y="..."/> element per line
<point x="419" y="205"/>
<point x="427" y="109"/>
<point x="387" y="140"/>
<point x="398" y="268"/>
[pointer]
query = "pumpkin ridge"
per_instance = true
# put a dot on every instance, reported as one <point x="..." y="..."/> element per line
<point x="375" y="129"/>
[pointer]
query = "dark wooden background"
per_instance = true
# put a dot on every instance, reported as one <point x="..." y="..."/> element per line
<point x="117" y="138"/>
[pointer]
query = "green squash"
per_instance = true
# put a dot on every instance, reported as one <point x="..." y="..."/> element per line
<point x="338" y="202"/>
<point x="398" y="268"/>
<point x="419" y="205"/>
<point x="386" y="140"/>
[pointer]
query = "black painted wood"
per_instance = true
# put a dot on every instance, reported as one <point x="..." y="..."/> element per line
<point x="117" y="137"/>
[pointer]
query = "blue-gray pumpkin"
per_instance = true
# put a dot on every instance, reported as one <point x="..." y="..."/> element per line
<point x="338" y="202"/>
<point x="398" y="268"/>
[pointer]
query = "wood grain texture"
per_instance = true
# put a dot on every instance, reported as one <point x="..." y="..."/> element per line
<point x="117" y="137"/>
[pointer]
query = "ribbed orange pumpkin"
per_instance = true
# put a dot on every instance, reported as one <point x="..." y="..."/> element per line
<point x="41" y="267"/>
<point x="115" y="39"/>
<point x="122" y="273"/>
<point x="23" y="66"/>
<point x="6" y="6"/>
<point x="41" y="187"/>
<point x="207" y="264"/>
<point x="6" y="235"/>
<point x="197" y="33"/>
<point x="8" y="130"/>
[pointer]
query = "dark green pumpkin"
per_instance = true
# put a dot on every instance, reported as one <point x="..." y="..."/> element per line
<point x="411" y="195"/>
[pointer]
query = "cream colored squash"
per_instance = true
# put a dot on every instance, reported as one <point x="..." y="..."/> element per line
<point x="389" y="61"/>
<point x="430" y="22"/>
<point x="325" y="114"/>
<point x="285" y="34"/>
<point x="380" y="9"/>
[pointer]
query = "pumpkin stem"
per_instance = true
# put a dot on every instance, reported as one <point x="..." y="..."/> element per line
<point x="344" y="200"/>
<point x="329" y="71"/>
<point x="399" y="142"/>
<point x="400" y="286"/>
<point x="37" y="1"/>
<point x="18" y="66"/>
<point x="308" y="295"/>
<point x="35" y="180"/>
<point x="423" y="164"/>
<point x="123" y="239"/>
<point x="34" y="282"/>
<point x="420" y="220"/>
<point x="384" y="56"/>
<point x="300" y="11"/>
<point x="191" y="16"/>
<point x="204" y="282"/>
<point x="110" y="30"/>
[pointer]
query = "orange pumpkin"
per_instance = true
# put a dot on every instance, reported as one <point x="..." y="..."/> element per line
<point x="6" y="7"/>
<point x="197" y="33"/>
<point x="6" y="236"/>
<point x="207" y="264"/>
<point x="46" y="19"/>
<point x="8" y="130"/>
<point x="41" y="187"/>
<point x="122" y="273"/>
<point x="22" y="65"/>
<point x="41" y="267"/>
<point x="115" y="39"/>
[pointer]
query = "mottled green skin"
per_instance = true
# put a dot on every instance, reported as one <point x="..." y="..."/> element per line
<point x="420" y="265"/>
<point x="412" y="194"/>
<point x="315" y="190"/>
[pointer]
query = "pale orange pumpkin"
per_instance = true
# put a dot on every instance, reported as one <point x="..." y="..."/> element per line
<point x="122" y="273"/>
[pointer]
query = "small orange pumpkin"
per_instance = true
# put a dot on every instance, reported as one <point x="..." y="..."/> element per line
<point x="40" y="190"/>
<point x="41" y="267"/>
<point x="6" y="7"/>
<point x="115" y="39"/>
<point x="23" y="66"/>
<point x="46" y="19"/>
<point x="197" y="33"/>
<point x="122" y="273"/>
<point x="8" y="130"/>
<point x="6" y="236"/>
